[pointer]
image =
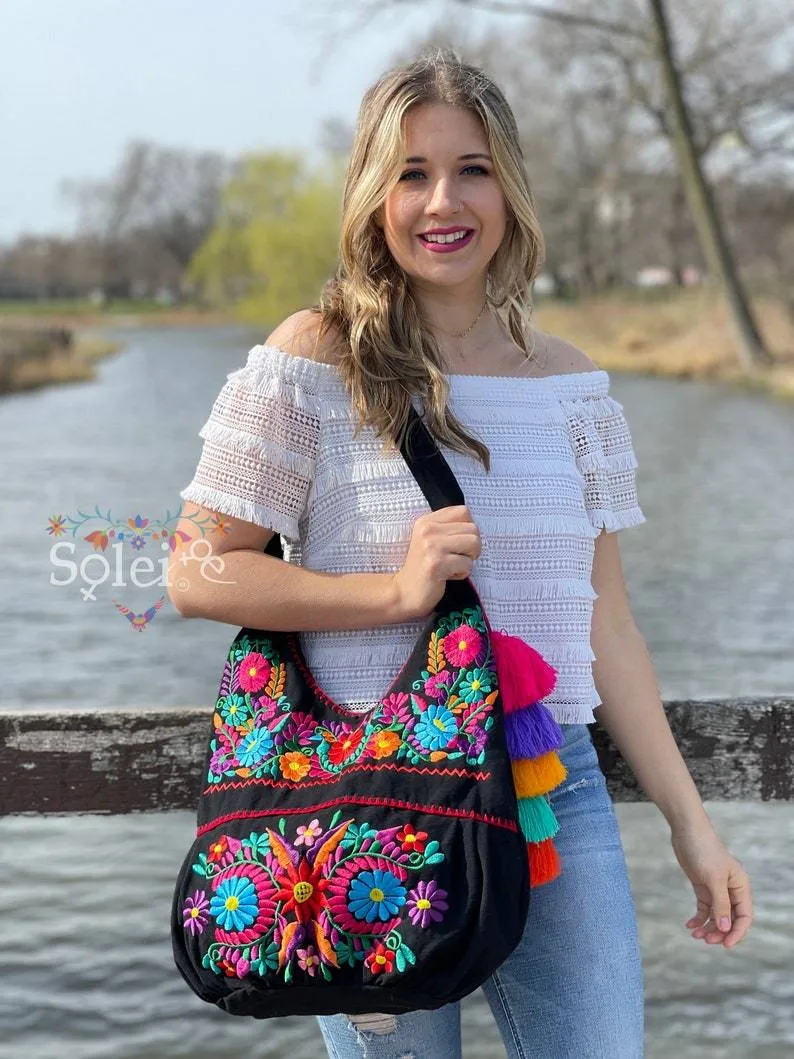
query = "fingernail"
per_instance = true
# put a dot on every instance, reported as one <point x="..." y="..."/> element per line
<point x="725" y="923"/>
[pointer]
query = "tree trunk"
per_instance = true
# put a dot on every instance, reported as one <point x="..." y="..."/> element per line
<point x="708" y="222"/>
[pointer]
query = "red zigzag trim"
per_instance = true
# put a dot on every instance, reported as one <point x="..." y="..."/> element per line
<point x="236" y="785"/>
<point x="392" y="803"/>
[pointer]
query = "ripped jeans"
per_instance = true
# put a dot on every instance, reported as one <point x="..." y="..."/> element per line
<point x="573" y="987"/>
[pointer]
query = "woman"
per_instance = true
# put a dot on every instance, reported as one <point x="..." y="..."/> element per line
<point x="439" y="247"/>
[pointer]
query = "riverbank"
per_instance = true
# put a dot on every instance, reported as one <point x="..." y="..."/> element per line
<point x="45" y="356"/>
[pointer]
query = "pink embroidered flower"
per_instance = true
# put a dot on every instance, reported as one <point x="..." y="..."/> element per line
<point x="308" y="960"/>
<point x="437" y="684"/>
<point x="253" y="672"/>
<point x="307" y="833"/>
<point x="463" y="646"/>
<point x="396" y="708"/>
<point x="195" y="912"/>
<point x="427" y="902"/>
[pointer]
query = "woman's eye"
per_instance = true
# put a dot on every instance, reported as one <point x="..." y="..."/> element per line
<point x="411" y="173"/>
<point x="477" y="168"/>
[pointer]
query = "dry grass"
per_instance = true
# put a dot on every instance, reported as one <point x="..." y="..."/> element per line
<point x="683" y="335"/>
<point x="33" y="359"/>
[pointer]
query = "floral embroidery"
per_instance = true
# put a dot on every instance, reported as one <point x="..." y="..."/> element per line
<point x="445" y="717"/>
<point x="310" y="907"/>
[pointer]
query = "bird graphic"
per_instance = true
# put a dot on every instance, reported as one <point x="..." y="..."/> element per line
<point x="139" y="621"/>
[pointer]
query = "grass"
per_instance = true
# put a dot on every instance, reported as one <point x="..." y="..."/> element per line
<point x="30" y="358"/>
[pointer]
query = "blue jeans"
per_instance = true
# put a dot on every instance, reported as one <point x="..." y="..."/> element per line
<point x="573" y="988"/>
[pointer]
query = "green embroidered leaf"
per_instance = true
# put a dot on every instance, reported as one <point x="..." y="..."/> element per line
<point x="199" y="869"/>
<point x="247" y="952"/>
<point x="282" y="825"/>
<point x="400" y="961"/>
<point x="434" y="858"/>
<point x="288" y="972"/>
<point x="431" y="848"/>
<point x="325" y="972"/>
<point x="407" y="953"/>
<point x="335" y="817"/>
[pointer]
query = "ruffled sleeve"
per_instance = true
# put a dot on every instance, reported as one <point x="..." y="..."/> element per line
<point x="604" y="454"/>
<point x="261" y="442"/>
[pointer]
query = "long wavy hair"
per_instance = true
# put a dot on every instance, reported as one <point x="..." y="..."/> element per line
<point x="388" y="353"/>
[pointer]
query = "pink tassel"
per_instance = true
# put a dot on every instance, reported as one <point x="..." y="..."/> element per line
<point x="524" y="676"/>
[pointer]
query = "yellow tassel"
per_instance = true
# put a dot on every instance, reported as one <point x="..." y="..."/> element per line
<point x="538" y="775"/>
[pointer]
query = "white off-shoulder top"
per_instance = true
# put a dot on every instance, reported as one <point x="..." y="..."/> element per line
<point x="279" y="451"/>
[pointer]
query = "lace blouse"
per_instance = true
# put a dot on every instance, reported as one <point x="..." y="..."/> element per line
<point x="279" y="452"/>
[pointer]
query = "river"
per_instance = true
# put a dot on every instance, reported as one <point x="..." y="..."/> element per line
<point x="711" y="577"/>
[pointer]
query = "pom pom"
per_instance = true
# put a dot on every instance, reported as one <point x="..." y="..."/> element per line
<point x="524" y="676"/>
<point x="536" y="819"/>
<point x="534" y="776"/>
<point x="531" y="732"/>
<point x="544" y="862"/>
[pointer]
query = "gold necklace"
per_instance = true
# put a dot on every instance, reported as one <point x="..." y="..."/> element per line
<point x="468" y="330"/>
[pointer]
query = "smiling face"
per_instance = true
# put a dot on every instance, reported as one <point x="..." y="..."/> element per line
<point x="446" y="216"/>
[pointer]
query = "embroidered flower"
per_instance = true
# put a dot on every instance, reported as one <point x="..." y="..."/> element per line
<point x="375" y="895"/>
<point x="253" y="672"/>
<point x="411" y="840"/>
<point x="138" y="542"/>
<point x="307" y="833"/>
<point x="195" y="912"/>
<point x="380" y="959"/>
<point x="233" y="709"/>
<point x="57" y="526"/>
<point x="346" y="747"/>
<point x="234" y="904"/>
<point x="384" y="744"/>
<point x="435" y="728"/>
<point x="395" y="707"/>
<point x="475" y="685"/>
<point x="294" y="765"/>
<point x="427" y="903"/>
<point x="217" y="849"/>
<point x="437" y="684"/>
<point x="308" y="960"/>
<point x="463" y="646"/>
<point x="254" y="747"/>
<point x="302" y="889"/>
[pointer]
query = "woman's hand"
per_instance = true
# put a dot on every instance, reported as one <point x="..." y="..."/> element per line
<point x="443" y="547"/>
<point x="722" y="886"/>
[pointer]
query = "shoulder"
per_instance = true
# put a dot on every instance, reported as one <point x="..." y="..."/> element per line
<point x="302" y="335"/>
<point x="558" y="357"/>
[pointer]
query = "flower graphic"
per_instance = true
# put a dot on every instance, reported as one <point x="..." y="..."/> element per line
<point x="195" y="912"/>
<point x="463" y="646"/>
<point x="233" y="709"/>
<point x="426" y="903"/>
<point x="253" y="672"/>
<point x="375" y="895"/>
<point x="217" y="849"/>
<point x="294" y="765"/>
<point x="57" y="526"/>
<point x="475" y="685"/>
<point x="437" y="684"/>
<point x="436" y="727"/>
<point x="395" y="707"/>
<point x="138" y="523"/>
<point x="254" y="747"/>
<point x="302" y="890"/>
<point x="221" y="524"/>
<point x="307" y="833"/>
<point x="380" y="959"/>
<point x="138" y="542"/>
<point x="412" y="840"/>
<point x="344" y="748"/>
<point x="234" y="903"/>
<point x="308" y="960"/>
<point x="383" y="744"/>
<point x="98" y="539"/>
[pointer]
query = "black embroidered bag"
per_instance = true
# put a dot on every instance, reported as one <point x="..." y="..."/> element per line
<point x="376" y="862"/>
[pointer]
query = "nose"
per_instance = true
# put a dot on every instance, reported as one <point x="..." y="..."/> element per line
<point x="443" y="201"/>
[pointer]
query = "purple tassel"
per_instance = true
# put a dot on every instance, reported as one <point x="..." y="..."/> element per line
<point x="532" y="732"/>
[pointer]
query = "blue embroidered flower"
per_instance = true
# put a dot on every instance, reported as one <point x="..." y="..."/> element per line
<point x="234" y="903"/>
<point x="254" y="747"/>
<point x="375" y="895"/>
<point x="475" y="685"/>
<point x="436" y="727"/>
<point x="234" y="709"/>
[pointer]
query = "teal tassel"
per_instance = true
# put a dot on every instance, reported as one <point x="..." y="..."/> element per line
<point x="537" y="819"/>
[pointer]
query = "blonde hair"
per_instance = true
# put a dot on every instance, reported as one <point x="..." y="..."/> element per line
<point x="388" y="354"/>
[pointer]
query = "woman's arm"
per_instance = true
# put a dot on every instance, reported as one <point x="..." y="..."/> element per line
<point x="633" y="714"/>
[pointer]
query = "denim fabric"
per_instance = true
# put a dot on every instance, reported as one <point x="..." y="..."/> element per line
<point x="573" y="988"/>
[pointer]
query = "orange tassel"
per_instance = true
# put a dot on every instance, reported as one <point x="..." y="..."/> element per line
<point x="544" y="862"/>
<point x="538" y="775"/>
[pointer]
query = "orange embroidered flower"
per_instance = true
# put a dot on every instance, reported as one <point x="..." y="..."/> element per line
<point x="217" y="849"/>
<point x="383" y="744"/>
<point x="294" y="765"/>
<point x="411" y="839"/>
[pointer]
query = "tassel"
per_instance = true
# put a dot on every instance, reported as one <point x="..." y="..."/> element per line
<point x="539" y="775"/>
<point x="524" y="676"/>
<point x="544" y="862"/>
<point x="531" y="732"/>
<point x="536" y="819"/>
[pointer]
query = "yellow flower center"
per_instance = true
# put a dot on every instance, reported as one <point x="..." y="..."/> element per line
<point x="252" y="671"/>
<point x="380" y="959"/>
<point x="475" y="685"/>
<point x="410" y="838"/>
<point x="462" y="645"/>
<point x="375" y="894"/>
<point x="231" y="903"/>
<point x="439" y="724"/>
<point x="423" y="903"/>
<point x="194" y="913"/>
<point x="346" y="744"/>
<point x="302" y="891"/>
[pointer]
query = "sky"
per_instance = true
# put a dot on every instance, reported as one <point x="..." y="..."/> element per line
<point x="79" y="78"/>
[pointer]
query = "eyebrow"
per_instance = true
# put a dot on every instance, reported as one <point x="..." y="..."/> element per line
<point x="461" y="158"/>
